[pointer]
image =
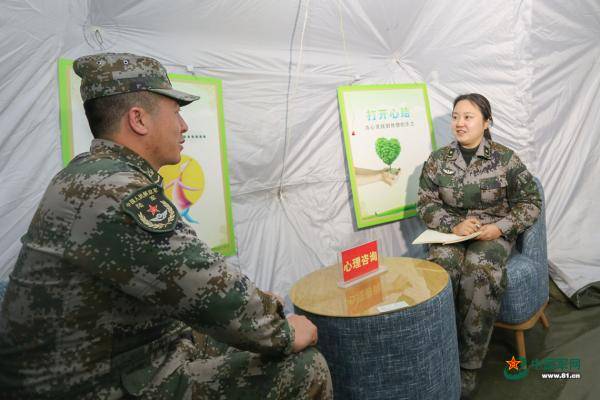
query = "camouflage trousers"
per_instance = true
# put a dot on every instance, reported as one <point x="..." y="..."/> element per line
<point x="477" y="269"/>
<point x="207" y="369"/>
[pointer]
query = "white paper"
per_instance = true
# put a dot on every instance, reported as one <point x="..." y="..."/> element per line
<point x="431" y="236"/>
<point x="393" y="306"/>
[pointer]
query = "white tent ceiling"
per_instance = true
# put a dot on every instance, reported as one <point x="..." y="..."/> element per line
<point x="281" y="62"/>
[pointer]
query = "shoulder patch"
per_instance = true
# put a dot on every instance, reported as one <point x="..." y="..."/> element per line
<point x="151" y="210"/>
<point x="441" y="153"/>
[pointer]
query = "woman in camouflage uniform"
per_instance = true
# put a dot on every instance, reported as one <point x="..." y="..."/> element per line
<point x="475" y="184"/>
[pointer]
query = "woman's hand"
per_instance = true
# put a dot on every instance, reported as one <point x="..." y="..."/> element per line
<point x="468" y="226"/>
<point x="489" y="232"/>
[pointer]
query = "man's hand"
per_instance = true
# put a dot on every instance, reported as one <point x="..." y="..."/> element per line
<point x="468" y="226"/>
<point x="489" y="232"/>
<point x="278" y="297"/>
<point x="305" y="332"/>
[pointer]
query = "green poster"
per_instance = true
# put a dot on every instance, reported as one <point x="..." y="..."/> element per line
<point x="199" y="184"/>
<point x="388" y="134"/>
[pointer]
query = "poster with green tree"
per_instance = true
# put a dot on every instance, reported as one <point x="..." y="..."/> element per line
<point x="388" y="134"/>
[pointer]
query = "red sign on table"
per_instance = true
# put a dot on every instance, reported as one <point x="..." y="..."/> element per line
<point x="359" y="261"/>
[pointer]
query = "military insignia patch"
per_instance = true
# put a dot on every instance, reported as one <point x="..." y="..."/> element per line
<point x="151" y="209"/>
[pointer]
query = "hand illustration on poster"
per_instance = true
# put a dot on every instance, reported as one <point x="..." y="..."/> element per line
<point x="388" y="135"/>
<point x="366" y="176"/>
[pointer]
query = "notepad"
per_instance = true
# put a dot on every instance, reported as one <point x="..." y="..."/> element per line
<point x="431" y="236"/>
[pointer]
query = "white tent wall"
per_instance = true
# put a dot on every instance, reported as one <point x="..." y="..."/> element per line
<point x="565" y="126"/>
<point x="281" y="62"/>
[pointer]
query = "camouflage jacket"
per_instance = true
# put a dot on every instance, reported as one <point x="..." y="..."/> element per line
<point x="496" y="188"/>
<point x="95" y="296"/>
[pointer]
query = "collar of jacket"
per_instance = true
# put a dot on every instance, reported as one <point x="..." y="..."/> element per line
<point x="104" y="147"/>
<point x="484" y="150"/>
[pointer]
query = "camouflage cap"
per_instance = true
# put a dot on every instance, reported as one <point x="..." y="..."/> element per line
<point x="107" y="74"/>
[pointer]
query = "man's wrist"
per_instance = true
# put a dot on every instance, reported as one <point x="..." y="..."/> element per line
<point x="289" y="349"/>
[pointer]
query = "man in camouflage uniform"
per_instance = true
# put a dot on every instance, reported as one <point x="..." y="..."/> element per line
<point x="495" y="188"/>
<point x="110" y="282"/>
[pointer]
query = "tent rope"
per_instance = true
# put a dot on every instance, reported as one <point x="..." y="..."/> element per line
<point x="294" y="88"/>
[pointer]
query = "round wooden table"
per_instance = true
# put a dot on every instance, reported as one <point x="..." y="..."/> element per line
<point x="392" y="336"/>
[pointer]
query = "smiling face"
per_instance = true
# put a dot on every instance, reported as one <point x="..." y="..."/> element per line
<point x="468" y="124"/>
<point x="167" y="128"/>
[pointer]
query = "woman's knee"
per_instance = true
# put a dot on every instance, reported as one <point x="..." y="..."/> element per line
<point x="483" y="274"/>
<point x="448" y="256"/>
<point x="491" y="253"/>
